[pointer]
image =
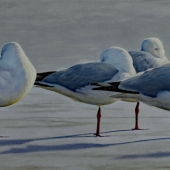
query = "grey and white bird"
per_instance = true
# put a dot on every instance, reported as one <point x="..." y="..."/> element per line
<point x="152" y="55"/>
<point x="75" y="81"/>
<point x="152" y="87"/>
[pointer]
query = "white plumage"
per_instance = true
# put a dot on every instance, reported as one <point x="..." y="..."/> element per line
<point x="17" y="74"/>
<point x="152" y="87"/>
<point x="75" y="82"/>
<point x="152" y="55"/>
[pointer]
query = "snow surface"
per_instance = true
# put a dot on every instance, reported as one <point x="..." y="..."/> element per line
<point x="47" y="131"/>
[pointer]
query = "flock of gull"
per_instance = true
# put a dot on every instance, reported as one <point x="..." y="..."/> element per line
<point x="130" y="76"/>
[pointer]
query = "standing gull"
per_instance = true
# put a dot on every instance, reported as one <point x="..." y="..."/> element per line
<point x="17" y="74"/>
<point x="75" y="81"/>
<point x="151" y="55"/>
<point x="152" y="87"/>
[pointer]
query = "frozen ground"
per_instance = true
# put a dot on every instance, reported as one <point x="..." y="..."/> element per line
<point x="47" y="131"/>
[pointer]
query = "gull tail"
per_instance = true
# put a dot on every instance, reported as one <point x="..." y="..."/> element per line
<point x="111" y="87"/>
<point x="41" y="76"/>
<point x="107" y="86"/>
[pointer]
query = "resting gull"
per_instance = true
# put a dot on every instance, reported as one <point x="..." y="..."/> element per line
<point x="152" y="87"/>
<point x="151" y="55"/>
<point x="17" y="74"/>
<point x="75" y="81"/>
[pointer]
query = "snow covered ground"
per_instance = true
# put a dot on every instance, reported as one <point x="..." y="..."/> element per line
<point x="47" y="131"/>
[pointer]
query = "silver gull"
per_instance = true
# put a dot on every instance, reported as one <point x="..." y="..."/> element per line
<point x="75" y="81"/>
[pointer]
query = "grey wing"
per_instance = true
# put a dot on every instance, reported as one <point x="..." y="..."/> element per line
<point x="150" y="82"/>
<point x="81" y="75"/>
<point x="143" y="60"/>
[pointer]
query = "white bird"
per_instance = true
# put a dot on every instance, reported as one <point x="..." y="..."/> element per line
<point x="75" y="81"/>
<point x="155" y="47"/>
<point x="151" y="55"/>
<point x="152" y="87"/>
<point x="17" y="74"/>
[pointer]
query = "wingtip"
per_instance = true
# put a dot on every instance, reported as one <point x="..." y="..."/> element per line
<point x="37" y="83"/>
<point x="41" y="76"/>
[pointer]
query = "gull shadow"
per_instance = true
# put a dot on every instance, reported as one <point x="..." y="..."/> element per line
<point x="150" y="155"/>
<point x="123" y="130"/>
<point x="23" y="141"/>
<point x="80" y="146"/>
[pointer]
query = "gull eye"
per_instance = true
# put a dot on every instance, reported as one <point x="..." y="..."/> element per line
<point x="1" y="56"/>
<point x="156" y="49"/>
<point x="104" y="59"/>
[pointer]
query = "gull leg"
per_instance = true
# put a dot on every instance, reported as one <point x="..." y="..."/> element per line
<point x="136" y="118"/>
<point x="98" y="123"/>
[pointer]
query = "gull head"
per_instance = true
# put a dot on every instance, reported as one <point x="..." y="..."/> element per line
<point x="9" y="49"/>
<point x="119" y="58"/>
<point x="12" y="56"/>
<point x="153" y="46"/>
<point x="114" y="55"/>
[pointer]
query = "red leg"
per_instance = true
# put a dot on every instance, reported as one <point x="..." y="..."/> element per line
<point x="136" y="118"/>
<point x="98" y="122"/>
